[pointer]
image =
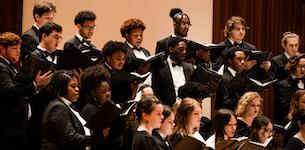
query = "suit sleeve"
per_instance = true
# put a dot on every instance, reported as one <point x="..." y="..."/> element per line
<point x="9" y="86"/>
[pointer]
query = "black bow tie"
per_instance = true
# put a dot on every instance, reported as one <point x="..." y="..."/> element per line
<point x="52" y="55"/>
<point x="238" y="45"/>
<point x="299" y="79"/>
<point x="86" y="41"/>
<point x="174" y="64"/>
<point x="137" y="48"/>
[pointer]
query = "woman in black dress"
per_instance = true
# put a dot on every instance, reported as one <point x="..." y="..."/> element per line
<point x="187" y="120"/>
<point x="161" y="134"/>
<point x="298" y="140"/>
<point x="249" y="106"/>
<point x="149" y="112"/>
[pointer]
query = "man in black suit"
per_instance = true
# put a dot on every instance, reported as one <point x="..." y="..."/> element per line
<point x="181" y="23"/>
<point x="235" y="81"/>
<point x="285" y="89"/>
<point x="290" y="43"/>
<point x="79" y="52"/>
<point x="43" y="12"/>
<point x="44" y="58"/>
<point x="235" y="31"/>
<point x="13" y="109"/>
<point x="174" y="72"/>
<point x="114" y="54"/>
<point x="132" y="30"/>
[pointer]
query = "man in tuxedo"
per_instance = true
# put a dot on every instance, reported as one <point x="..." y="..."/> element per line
<point x="43" y="12"/>
<point x="290" y="43"/>
<point x="114" y="54"/>
<point x="44" y="58"/>
<point x="285" y="89"/>
<point x="174" y="72"/>
<point x="181" y="22"/>
<point x="132" y="30"/>
<point x="234" y="31"/>
<point x="79" y="52"/>
<point x="235" y="81"/>
<point x="13" y="109"/>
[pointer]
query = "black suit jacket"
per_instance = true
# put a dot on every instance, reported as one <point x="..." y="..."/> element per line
<point x="131" y="63"/>
<point x="220" y="60"/>
<point x="13" y="112"/>
<point x="283" y="92"/>
<point x="77" y="55"/>
<point x="165" y="89"/>
<point x="161" y="141"/>
<point x="162" y="46"/>
<point x="30" y="41"/>
<point x="61" y="128"/>
<point x="230" y="89"/>
<point x="278" y="66"/>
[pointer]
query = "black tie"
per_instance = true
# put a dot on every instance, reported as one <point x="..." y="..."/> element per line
<point x="137" y="48"/>
<point x="174" y="64"/>
<point x="238" y="45"/>
<point x="87" y="42"/>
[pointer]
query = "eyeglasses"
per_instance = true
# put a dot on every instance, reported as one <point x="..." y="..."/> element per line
<point x="90" y="28"/>
<point x="185" y="24"/>
<point x="58" y="38"/>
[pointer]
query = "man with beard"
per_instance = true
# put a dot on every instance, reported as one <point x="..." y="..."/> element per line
<point x="79" y="52"/>
<point x="181" y="23"/>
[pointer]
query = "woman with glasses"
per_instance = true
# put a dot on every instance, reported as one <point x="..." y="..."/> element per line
<point x="249" y="106"/>
<point x="62" y="126"/>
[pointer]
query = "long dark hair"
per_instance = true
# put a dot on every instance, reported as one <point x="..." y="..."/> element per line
<point x="257" y="124"/>
<point x="219" y="121"/>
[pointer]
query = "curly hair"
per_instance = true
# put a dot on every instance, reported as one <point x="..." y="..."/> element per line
<point x="232" y="22"/>
<point x="131" y="24"/>
<point x="245" y="101"/>
<point x="92" y="77"/>
<point x="83" y="16"/>
<point x="112" y="47"/>
<point x="9" y="39"/>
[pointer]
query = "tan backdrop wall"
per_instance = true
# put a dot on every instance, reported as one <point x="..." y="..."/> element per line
<point x="111" y="14"/>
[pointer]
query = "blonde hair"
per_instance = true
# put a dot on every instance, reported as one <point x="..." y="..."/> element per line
<point x="288" y="35"/>
<point x="183" y="112"/>
<point x="246" y="100"/>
